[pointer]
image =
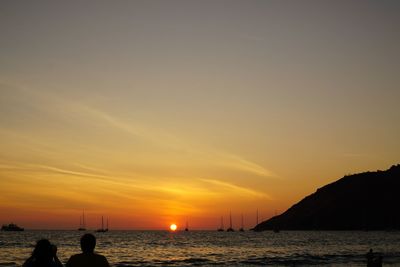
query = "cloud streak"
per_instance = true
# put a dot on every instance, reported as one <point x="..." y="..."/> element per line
<point x="74" y="167"/>
<point x="237" y="189"/>
<point x="159" y="137"/>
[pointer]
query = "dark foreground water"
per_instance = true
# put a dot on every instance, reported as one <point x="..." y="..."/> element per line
<point x="209" y="248"/>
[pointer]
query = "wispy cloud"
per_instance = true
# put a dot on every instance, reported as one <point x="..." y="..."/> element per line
<point x="201" y="152"/>
<point x="85" y="173"/>
<point x="161" y="138"/>
<point x="236" y="189"/>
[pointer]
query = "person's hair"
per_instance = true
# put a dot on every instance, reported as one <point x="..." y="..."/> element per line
<point x="42" y="251"/>
<point x="88" y="242"/>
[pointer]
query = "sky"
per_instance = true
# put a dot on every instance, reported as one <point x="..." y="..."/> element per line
<point x="157" y="112"/>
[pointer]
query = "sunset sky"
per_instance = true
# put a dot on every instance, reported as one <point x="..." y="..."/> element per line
<point x="158" y="112"/>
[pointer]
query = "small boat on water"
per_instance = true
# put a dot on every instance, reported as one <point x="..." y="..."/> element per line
<point x="102" y="229"/>
<point x="82" y="223"/>
<point x="230" y="229"/>
<point x="257" y="217"/>
<point x="242" y="227"/>
<point x="12" y="227"/>
<point x="276" y="227"/>
<point x="187" y="227"/>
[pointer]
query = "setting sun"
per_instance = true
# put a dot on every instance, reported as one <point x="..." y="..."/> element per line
<point x="173" y="227"/>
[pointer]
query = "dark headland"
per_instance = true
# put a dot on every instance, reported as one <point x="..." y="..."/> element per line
<point x="364" y="201"/>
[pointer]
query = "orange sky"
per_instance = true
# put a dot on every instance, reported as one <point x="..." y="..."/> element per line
<point x="152" y="114"/>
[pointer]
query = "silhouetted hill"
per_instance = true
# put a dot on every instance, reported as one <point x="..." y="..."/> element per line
<point x="365" y="201"/>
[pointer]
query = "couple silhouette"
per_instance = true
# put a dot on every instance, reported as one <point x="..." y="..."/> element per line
<point x="45" y="255"/>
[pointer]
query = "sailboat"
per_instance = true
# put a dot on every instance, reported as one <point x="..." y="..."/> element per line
<point x="230" y="229"/>
<point x="241" y="228"/>
<point x="255" y="229"/>
<point x="102" y="230"/>
<point x="82" y="223"/>
<point x="257" y="217"/>
<point x="187" y="226"/>
<point x="276" y="228"/>
<point x="221" y="228"/>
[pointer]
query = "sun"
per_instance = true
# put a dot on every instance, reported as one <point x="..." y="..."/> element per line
<point x="173" y="227"/>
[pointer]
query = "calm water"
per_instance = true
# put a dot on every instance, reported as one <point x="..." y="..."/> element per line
<point x="207" y="248"/>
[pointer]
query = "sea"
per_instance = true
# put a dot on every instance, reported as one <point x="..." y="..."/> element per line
<point x="211" y="248"/>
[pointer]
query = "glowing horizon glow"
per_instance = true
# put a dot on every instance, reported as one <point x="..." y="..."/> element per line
<point x="173" y="227"/>
<point x="152" y="112"/>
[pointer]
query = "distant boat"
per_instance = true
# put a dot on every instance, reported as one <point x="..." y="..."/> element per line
<point x="12" y="228"/>
<point x="82" y="223"/>
<point x="102" y="230"/>
<point x="257" y="217"/>
<point x="241" y="228"/>
<point x="230" y="229"/>
<point x="187" y="227"/>
<point x="221" y="228"/>
<point x="255" y="227"/>
<point x="276" y="227"/>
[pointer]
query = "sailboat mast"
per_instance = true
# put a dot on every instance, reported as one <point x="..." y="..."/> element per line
<point x="83" y="219"/>
<point x="242" y="220"/>
<point x="230" y="219"/>
<point x="102" y="222"/>
<point x="257" y="217"/>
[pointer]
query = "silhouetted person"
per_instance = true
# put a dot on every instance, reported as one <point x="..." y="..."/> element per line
<point x="370" y="258"/>
<point x="87" y="258"/>
<point x="377" y="261"/>
<point x="44" y="255"/>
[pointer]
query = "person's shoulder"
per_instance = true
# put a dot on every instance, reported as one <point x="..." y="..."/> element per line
<point x="101" y="258"/>
<point x="87" y="259"/>
<point x="75" y="256"/>
<point x="73" y="259"/>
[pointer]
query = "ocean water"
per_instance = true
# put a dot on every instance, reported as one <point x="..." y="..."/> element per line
<point x="210" y="248"/>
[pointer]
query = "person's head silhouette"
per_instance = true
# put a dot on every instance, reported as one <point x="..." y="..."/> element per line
<point x="43" y="250"/>
<point x="88" y="243"/>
